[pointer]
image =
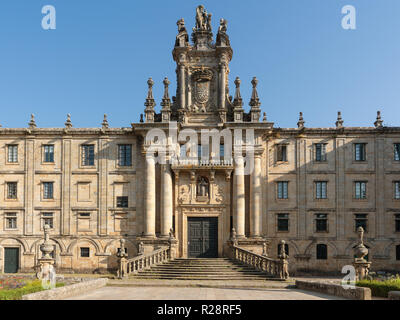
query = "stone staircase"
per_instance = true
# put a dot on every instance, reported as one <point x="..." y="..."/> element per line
<point x="202" y="269"/>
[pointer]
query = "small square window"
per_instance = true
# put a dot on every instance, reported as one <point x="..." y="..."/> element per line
<point x="48" y="219"/>
<point x="122" y="202"/>
<point x="359" y="151"/>
<point x="48" y="190"/>
<point x="361" y="221"/>
<point x="320" y="152"/>
<point x="397" y="152"/>
<point x="48" y="153"/>
<point x="11" y="220"/>
<point x="84" y="214"/>
<point x="283" y="222"/>
<point x="321" y="189"/>
<point x="360" y="189"/>
<point x="321" y="222"/>
<point x="282" y="153"/>
<point x="125" y="155"/>
<point x="12" y="153"/>
<point x="12" y="190"/>
<point x="87" y="155"/>
<point x="85" y="252"/>
<point x="322" y="251"/>
<point x="282" y="189"/>
<point x="397" y="190"/>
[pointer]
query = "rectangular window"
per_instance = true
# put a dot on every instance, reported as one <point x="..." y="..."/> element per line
<point x="48" y="219"/>
<point x="47" y="190"/>
<point x="48" y="151"/>
<point x="283" y="189"/>
<point x="122" y="202"/>
<point x="320" y="189"/>
<point x="322" y="251"/>
<point x="88" y="155"/>
<point x="125" y="155"/>
<point x="359" y="151"/>
<point x="360" y="190"/>
<point x="283" y="222"/>
<point x="84" y="214"/>
<point x="361" y="221"/>
<point x="320" y="152"/>
<point x="11" y="220"/>
<point x="282" y="153"/>
<point x="183" y="151"/>
<point x="397" y="222"/>
<point x="321" y="222"/>
<point x="12" y="153"/>
<point x="397" y="152"/>
<point x="397" y="190"/>
<point x="85" y="252"/>
<point x="222" y="152"/>
<point x="12" y="190"/>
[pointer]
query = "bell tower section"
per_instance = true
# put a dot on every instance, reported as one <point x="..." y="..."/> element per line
<point x="202" y="72"/>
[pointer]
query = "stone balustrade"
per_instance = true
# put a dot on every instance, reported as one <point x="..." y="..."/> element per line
<point x="145" y="261"/>
<point x="272" y="267"/>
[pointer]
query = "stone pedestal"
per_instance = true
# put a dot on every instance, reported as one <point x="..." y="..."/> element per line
<point x="362" y="269"/>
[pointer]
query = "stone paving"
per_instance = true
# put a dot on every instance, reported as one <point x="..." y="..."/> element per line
<point x="171" y="293"/>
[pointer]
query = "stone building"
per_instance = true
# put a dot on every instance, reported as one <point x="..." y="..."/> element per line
<point x="311" y="187"/>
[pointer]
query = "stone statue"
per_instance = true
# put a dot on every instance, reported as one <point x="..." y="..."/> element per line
<point x="284" y="263"/>
<point x="222" y="37"/>
<point x="233" y="237"/>
<point x="182" y="39"/>
<point x="222" y="26"/>
<point x="209" y="22"/>
<point x="140" y="248"/>
<point x="200" y="18"/>
<point x="202" y="187"/>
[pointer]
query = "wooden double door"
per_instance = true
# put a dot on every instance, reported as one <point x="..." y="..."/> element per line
<point x="203" y="237"/>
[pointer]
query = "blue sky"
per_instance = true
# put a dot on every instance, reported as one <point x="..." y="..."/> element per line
<point x="102" y="52"/>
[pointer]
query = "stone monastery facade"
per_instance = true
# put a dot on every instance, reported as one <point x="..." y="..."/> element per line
<point x="311" y="187"/>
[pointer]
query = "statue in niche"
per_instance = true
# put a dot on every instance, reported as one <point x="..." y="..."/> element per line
<point x="182" y="39"/>
<point x="202" y="187"/>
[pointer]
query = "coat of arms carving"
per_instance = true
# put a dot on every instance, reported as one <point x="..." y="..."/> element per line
<point x="202" y="80"/>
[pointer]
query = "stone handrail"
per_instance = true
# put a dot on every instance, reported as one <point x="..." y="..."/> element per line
<point x="145" y="261"/>
<point x="273" y="267"/>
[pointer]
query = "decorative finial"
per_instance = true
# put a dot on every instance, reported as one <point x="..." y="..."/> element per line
<point x="378" y="123"/>
<point x="339" y="122"/>
<point x="264" y="117"/>
<point x="166" y="83"/>
<point x="237" y="101"/>
<point x="104" y="124"/>
<point x="301" y="122"/>
<point x="68" y="123"/>
<point x="150" y="83"/>
<point x="254" y="101"/>
<point x="32" y="123"/>
<point x="150" y="103"/>
<point x="141" y="117"/>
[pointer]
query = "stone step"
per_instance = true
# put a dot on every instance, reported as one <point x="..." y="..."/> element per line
<point x="225" y="278"/>
<point x="172" y="272"/>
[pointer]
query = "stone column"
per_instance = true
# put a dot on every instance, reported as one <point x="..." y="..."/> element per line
<point x="150" y="199"/>
<point x="256" y="216"/>
<point x="223" y="85"/>
<point x="239" y="197"/>
<point x="166" y="200"/>
<point x="182" y="86"/>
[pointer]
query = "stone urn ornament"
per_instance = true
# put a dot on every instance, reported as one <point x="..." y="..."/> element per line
<point x="46" y="247"/>
<point x="360" y="250"/>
